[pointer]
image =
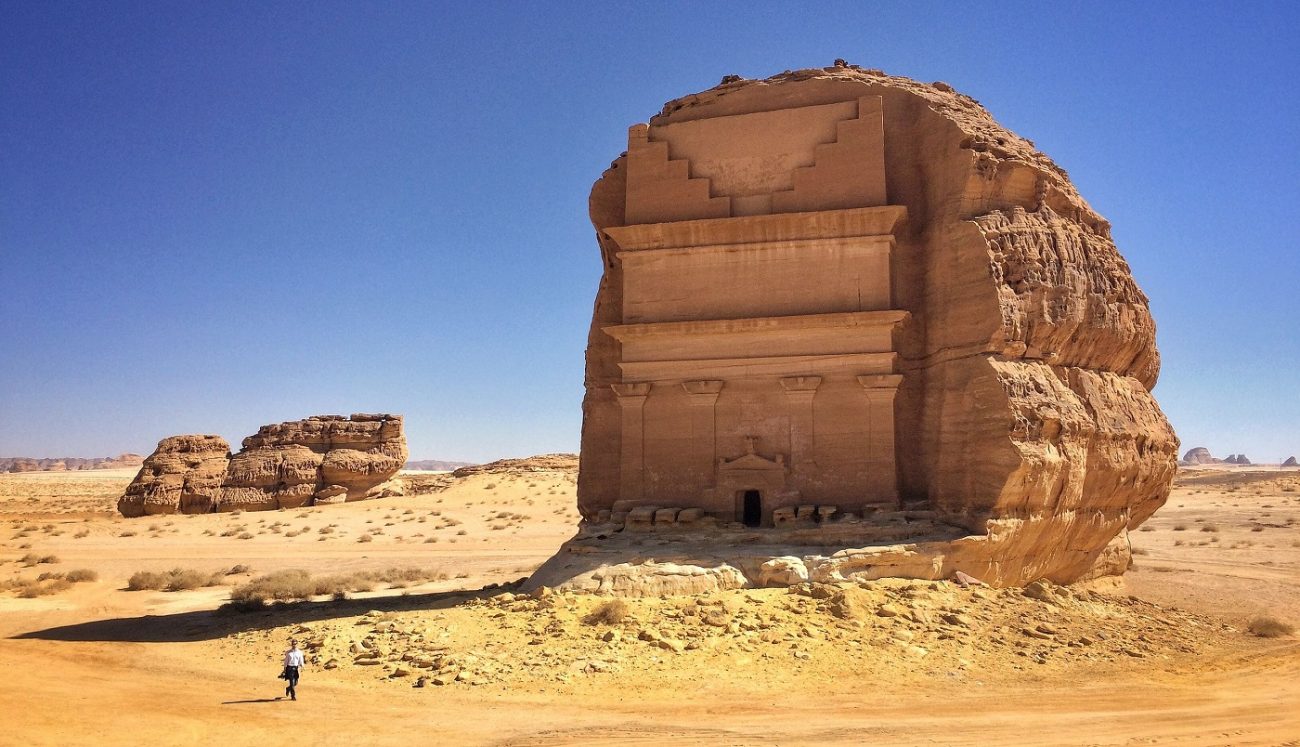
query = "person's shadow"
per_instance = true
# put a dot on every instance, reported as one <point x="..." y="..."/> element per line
<point x="253" y="700"/>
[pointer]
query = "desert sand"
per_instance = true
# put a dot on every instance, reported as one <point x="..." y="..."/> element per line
<point x="1172" y="664"/>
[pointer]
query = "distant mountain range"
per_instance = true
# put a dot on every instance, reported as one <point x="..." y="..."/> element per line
<point x="68" y="464"/>
<point x="437" y="465"/>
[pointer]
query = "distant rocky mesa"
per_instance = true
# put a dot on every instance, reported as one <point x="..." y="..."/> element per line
<point x="436" y="465"/>
<point x="1201" y="455"/>
<point x="68" y="464"/>
<point x="322" y="459"/>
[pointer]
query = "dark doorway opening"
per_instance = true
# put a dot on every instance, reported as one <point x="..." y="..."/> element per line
<point x="752" y="508"/>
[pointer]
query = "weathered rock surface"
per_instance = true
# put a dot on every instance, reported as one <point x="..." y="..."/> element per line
<point x="319" y="460"/>
<point x="1199" y="455"/>
<point x="1291" y="462"/>
<point x="183" y="474"/>
<point x="1027" y="355"/>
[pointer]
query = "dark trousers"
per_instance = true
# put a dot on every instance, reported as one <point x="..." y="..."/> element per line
<point x="291" y="676"/>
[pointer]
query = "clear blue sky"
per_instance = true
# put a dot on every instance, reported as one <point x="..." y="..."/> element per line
<point x="218" y="215"/>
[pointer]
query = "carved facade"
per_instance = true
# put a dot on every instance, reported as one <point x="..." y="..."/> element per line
<point x="756" y="340"/>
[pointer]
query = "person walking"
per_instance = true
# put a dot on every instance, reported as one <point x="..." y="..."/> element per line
<point x="293" y="661"/>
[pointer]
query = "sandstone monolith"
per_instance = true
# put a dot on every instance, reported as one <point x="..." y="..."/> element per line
<point x="850" y="310"/>
<point x="184" y="474"/>
<point x="1291" y="462"/>
<point x="318" y="460"/>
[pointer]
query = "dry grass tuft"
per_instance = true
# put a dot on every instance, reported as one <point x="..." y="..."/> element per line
<point x="177" y="579"/>
<point x="611" y="612"/>
<point x="296" y="584"/>
<point x="1269" y="627"/>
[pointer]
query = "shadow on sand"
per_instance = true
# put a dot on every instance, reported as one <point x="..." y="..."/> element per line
<point x="255" y="700"/>
<point x="204" y="625"/>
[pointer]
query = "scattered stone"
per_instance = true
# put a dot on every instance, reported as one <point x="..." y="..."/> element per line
<point x="888" y="610"/>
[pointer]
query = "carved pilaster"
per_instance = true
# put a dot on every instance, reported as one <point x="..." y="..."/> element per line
<point x="800" y="392"/>
<point x="703" y="396"/>
<point x="880" y="390"/>
<point x="631" y="398"/>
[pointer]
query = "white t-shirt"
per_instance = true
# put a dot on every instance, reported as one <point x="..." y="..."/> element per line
<point x="293" y="658"/>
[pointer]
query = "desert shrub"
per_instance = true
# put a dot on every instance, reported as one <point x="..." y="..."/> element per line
<point x="241" y="568"/>
<point x="280" y="586"/>
<point x="1269" y="627"/>
<point x="33" y="589"/>
<point x="177" y="579"/>
<point x="1210" y="528"/>
<point x="296" y="584"/>
<point x="245" y="536"/>
<point x="611" y="612"/>
<point x="185" y="579"/>
<point x="80" y="575"/>
<point x="365" y="538"/>
<point x="145" y="581"/>
<point x="1180" y="527"/>
<point x="84" y="533"/>
<point x="127" y="533"/>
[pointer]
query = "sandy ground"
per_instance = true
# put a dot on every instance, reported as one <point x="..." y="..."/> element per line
<point x="763" y="667"/>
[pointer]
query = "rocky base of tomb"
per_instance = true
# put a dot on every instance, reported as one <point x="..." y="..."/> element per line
<point x="682" y="559"/>
<point x="895" y="629"/>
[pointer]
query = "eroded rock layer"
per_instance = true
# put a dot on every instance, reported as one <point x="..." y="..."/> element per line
<point x="183" y="474"/>
<point x="1025" y="351"/>
<point x="319" y="460"/>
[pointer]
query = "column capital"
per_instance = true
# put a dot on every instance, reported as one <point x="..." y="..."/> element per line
<point x="631" y="390"/>
<point x="880" y="381"/>
<point x="801" y="383"/>
<point x="705" y="386"/>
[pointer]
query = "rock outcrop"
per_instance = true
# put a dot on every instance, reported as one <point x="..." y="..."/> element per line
<point x="184" y="474"/>
<point x="319" y="460"/>
<point x="1023" y="350"/>
<point x="1291" y="462"/>
<point x="61" y="464"/>
<point x="1199" y="455"/>
<point x="539" y="463"/>
<point x="435" y="465"/>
